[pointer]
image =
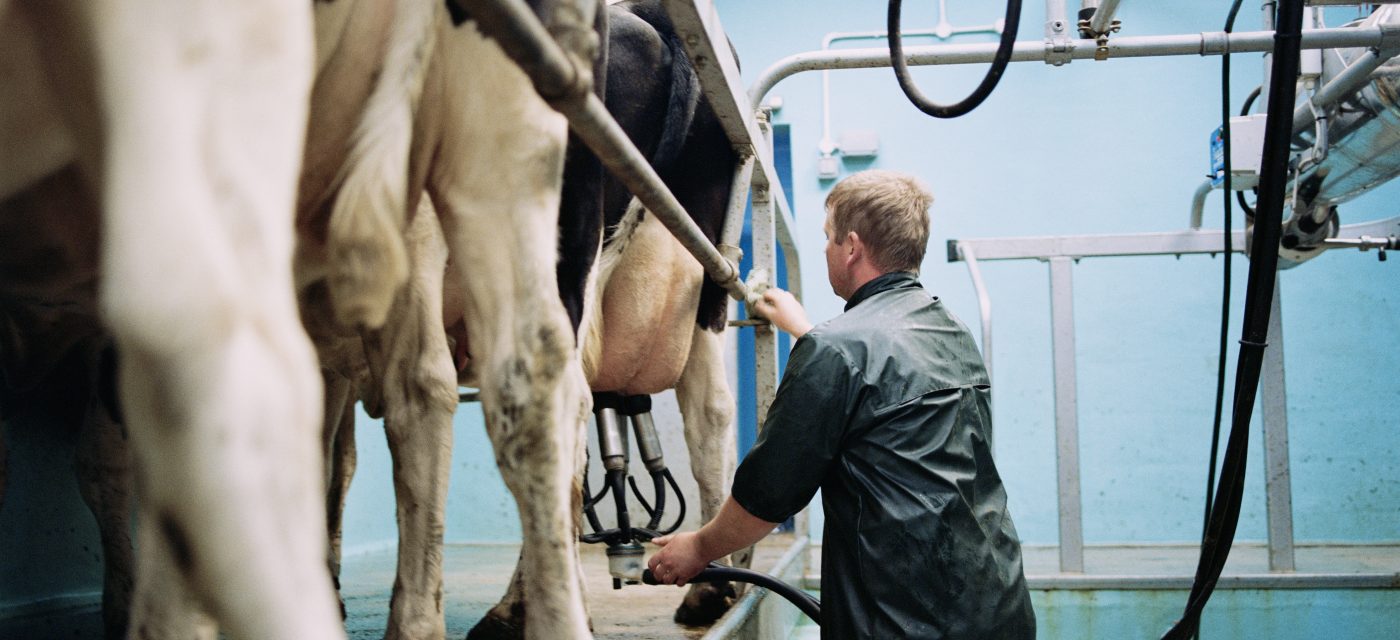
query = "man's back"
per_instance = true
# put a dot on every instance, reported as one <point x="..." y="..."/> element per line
<point x="887" y="408"/>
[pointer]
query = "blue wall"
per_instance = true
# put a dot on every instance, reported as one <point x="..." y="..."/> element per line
<point x="1109" y="147"/>
<point x="1089" y="148"/>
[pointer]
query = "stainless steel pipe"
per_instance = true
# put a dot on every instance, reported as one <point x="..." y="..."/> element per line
<point x="1204" y="44"/>
<point x="564" y="85"/>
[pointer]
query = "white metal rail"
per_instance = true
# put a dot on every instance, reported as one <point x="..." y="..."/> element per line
<point x="1061" y="252"/>
<point x="1204" y="44"/>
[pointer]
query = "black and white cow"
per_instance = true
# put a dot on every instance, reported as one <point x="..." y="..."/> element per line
<point x="488" y="154"/>
<point x="655" y="321"/>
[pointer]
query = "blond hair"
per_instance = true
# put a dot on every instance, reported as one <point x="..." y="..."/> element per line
<point x="888" y="210"/>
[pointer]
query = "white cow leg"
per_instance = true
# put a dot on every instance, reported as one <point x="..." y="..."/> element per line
<point x="205" y="107"/>
<point x="163" y="607"/>
<point x="496" y="186"/>
<point x="338" y="445"/>
<point x="104" y="479"/>
<point x="707" y="410"/>
<point x="506" y="619"/>
<point x="420" y="397"/>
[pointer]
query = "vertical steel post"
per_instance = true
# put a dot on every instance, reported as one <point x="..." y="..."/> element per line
<point x="1066" y="415"/>
<point x="1266" y="23"/>
<point x="764" y="257"/>
<point x="1278" y="483"/>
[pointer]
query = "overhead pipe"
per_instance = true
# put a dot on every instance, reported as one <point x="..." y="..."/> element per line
<point x="1208" y="43"/>
<point x="562" y="84"/>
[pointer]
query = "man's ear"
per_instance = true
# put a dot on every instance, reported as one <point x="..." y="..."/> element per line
<point x="855" y="248"/>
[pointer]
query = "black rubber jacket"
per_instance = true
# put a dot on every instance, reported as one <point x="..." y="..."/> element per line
<point x="887" y="409"/>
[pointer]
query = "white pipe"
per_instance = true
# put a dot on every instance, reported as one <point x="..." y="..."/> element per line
<point x="1198" y="203"/>
<point x="984" y="303"/>
<point x="733" y="229"/>
<point x="1103" y="17"/>
<point x="1204" y="44"/>
<point x="1266" y="23"/>
<point x="1346" y="82"/>
<point x="1054" y="19"/>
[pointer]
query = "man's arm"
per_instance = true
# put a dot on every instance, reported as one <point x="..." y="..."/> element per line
<point x="784" y="311"/>
<point x="683" y="555"/>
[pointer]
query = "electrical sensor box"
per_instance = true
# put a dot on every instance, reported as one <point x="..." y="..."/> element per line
<point x="1246" y="148"/>
<point x="859" y="143"/>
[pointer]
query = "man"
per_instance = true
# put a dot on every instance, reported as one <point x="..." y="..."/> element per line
<point x="885" y="408"/>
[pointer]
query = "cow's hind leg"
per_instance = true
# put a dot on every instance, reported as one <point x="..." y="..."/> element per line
<point x="506" y="619"/>
<point x="338" y="447"/>
<point x="707" y="409"/>
<point x="205" y="104"/>
<point x="411" y="360"/>
<point x="498" y="195"/>
<point x="104" y="480"/>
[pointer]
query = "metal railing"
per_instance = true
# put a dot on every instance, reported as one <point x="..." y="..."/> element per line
<point x="1061" y="252"/>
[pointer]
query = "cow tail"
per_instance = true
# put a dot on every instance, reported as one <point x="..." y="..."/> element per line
<point x="684" y="99"/>
<point x="365" y="235"/>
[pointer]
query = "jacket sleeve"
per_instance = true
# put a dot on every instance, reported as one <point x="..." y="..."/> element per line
<point x="802" y="434"/>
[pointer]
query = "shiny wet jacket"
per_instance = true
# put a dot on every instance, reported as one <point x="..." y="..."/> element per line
<point x="887" y="409"/>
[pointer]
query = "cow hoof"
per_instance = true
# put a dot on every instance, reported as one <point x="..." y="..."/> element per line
<point x="344" y="613"/>
<point x="705" y="603"/>
<point x="494" y="627"/>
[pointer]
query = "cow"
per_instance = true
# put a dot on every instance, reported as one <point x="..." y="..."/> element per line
<point x="654" y="321"/>
<point x="484" y="165"/>
<point x="182" y="123"/>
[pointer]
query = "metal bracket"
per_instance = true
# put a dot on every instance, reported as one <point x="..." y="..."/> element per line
<point x="1100" y="39"/>
<point x="1059" y="48"/>
<point x="731" y="253"/>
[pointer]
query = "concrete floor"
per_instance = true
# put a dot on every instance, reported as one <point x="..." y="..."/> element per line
<point x="475" y="576"/>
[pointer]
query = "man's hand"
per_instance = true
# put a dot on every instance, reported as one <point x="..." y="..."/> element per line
<point x="679" y="559"/>
<point x="683" y="555"/>
<point x="784" y="311"/>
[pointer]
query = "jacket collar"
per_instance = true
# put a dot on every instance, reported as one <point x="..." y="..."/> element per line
<point x="882" y="283"/>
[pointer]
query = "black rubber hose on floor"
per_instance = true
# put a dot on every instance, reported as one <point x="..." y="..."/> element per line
<point x="989" y="82"/>
<point x="804" y="601"/>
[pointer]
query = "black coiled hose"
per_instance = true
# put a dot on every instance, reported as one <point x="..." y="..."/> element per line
<point x="989" y="82"/>
<point x="719" y="573"/>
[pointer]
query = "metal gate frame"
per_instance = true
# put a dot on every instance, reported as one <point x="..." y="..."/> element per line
<point x="1060" y="253"/>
